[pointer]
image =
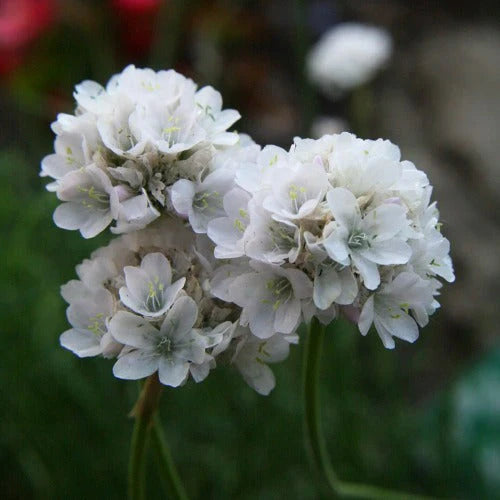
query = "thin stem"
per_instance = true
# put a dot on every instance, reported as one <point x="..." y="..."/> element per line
<point x="143" y="412"/>
<point x="168" y="469"/>
<point x="315" y="440"/>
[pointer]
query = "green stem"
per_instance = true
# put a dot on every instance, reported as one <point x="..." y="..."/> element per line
<point x="314" y="433"/>
<point x="143" y="412"/>
<point x="168" y="469"/>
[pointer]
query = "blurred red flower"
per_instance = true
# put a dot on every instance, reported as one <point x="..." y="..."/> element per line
<point x="21" y="22"/>
<point x="136" y="24"/>
<point x="137" y="6"/>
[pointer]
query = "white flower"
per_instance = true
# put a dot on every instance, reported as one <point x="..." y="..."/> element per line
<point x="365" y="240"/>
<point x="202" y="201"/>
<point x="430" y="253"/>
<point x="253" y="354"/>
<point x="327" y="125"/>
<point x="389" y="308"/>
<point x="271" y="298"/>
<point x="296" y="191"/>
<point x="91" y="201"/>
<point x="169" y="350"/>
<point x="367" y="168"/>
<point x="149" y="290"/>
<point x="135" y="213"/>
<point x="76" y="141"/>
<point x="348" y="56"/>
<point x="269" y="240"/>
<point x="88" y="315"/>
<point x="228" y="232"/>
<point x="255" y="172"/>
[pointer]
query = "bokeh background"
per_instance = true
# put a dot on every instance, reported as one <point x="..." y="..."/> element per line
<point x="423" y="418"/>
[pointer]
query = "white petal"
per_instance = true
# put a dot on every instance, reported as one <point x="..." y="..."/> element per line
<point x="180" y="318"/>
<point x="387" y="252"/>
<point x="344" y="207"/>
<point x="136" y="365"/>
<point x="366" y="317"/>
<point x="82" y="343"/>
<point x="368" y="271"/>
<point x="172" y="371"/>
<point x="327" y="287"/>
<point x="132" y="330"/>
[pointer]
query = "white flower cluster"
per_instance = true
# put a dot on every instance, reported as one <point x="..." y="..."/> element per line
<point x="146" y="300"/>
<point x="257" y="242"/>
<point x="348" y="56"/>
<point x="129" y="141"/>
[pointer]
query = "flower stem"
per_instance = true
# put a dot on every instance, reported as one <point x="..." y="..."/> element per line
<point x="167" y="464"/>
<point x="315" y="441"/>
<point x="142" y="412"/>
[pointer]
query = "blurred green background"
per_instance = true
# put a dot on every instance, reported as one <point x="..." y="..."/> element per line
<point x="423" y="418"/>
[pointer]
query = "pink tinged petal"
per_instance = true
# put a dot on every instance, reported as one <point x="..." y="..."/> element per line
<point x="387" y="252"/>
<point x="180" y="319"/>
<point x="287" y="316"/>
<point x="327" y="287"/>
<point x="182" y="194"/>
<point x="367" y="270"/>
<point x="81" y="342"/>
<point x="132" y="330"/>
<point x="136" y="365"/>
<point x="367" y="315"/>
<point x="172" y="371"/>
<point x="344" y="207"/>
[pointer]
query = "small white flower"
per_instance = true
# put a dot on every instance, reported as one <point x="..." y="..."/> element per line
<point x="365" y="240"/>
<point x="348" y="56"/>
<point x="228" y="232"/>
<point x="327" y="125"/>
<point x="149" y="289"/>
<point x="168" y="350"/>
<point x="271" y="298"/>
<point x="269" y="240"/>
<point x="88" y="316"/>
<point x="296" y="191"/>
<point x="389" y="308"/>
<point x="255" y="172"/>
<point x="252" y="356"/>
<point x="91" y="202"/>
<point x="202" y="201"/>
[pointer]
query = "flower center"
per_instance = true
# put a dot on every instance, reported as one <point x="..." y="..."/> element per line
<point x="155" y="294"/>
<point x="281" y="290"/>
<point x="164" y="346"/>
<point x="358" y="239"/>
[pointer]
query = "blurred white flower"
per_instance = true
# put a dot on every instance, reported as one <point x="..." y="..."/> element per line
<point x="348" y="56"/>
<point x="327" y="125"/>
